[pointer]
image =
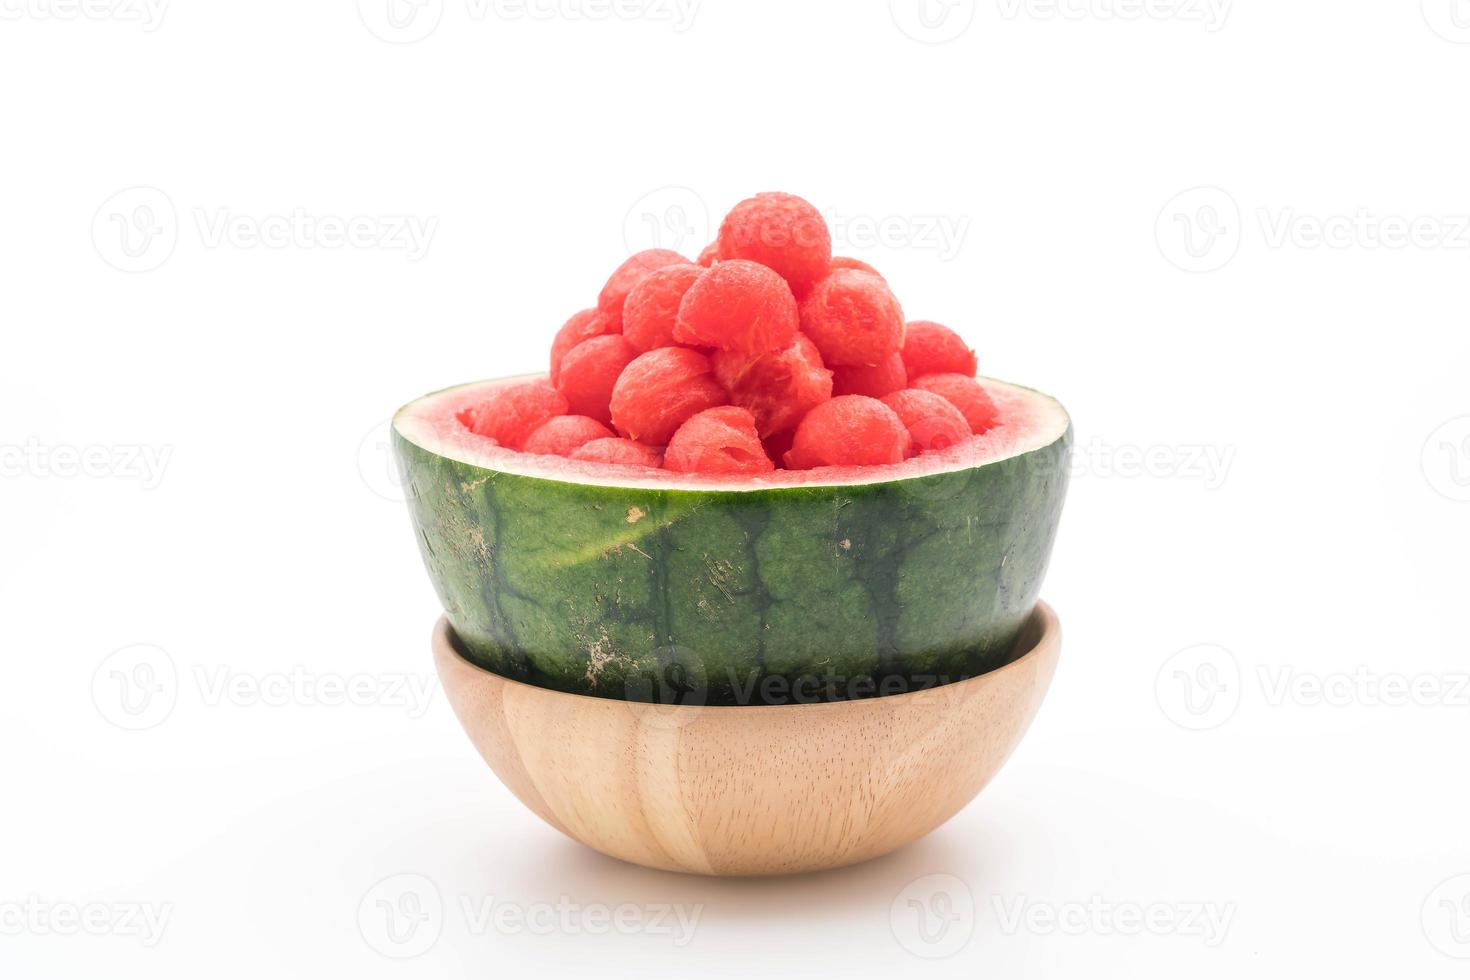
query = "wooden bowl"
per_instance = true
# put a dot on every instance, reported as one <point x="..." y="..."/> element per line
<point x="751" y="790"/>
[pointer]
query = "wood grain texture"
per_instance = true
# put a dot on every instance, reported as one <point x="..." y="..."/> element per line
<point x="750" y="790"/>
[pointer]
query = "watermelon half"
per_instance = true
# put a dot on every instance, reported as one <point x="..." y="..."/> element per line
<point x="639" y="583"/>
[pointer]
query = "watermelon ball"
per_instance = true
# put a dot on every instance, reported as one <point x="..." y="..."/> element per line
<point x="932" y="348"/>
<point x="740" y="306"/>
<point x="512" y="413"/>
<point x="850" y="430"/>
<point x="708" y="255"/>
<point x="658" y="392"/>
<point x="629" y="274"/>
<point x="933" y="423"/>
<point x="965" y="394"/>
<point x="563" y="434"/>
<point x="589" y="372"/>
<point x="853" y="318"/>
<point x="620" y="452"/>
<point x="653" y="306"/>
<point x="777" y="388"/>
<point x="883" y="378"/>
<point x="782" y="232"/>
<point x="845" y="262"/>
<point x="582" y="326"/>
<point x="718" y="440"/>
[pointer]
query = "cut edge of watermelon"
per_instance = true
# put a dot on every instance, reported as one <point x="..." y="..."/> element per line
<point x="1030" y="420"/>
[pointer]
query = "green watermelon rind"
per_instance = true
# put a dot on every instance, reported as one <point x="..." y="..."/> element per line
<point x="654" y="591"/>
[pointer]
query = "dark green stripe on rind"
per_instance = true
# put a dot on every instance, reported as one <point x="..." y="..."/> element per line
<point x="732" y="597"/>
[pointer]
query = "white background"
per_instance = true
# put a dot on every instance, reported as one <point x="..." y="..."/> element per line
<point x="1272" y="497"/>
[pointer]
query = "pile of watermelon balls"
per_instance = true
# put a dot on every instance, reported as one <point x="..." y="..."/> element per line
<point x="767" y="352"/>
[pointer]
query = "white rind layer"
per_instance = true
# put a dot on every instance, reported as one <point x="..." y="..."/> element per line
<point x="1029" y="421"/>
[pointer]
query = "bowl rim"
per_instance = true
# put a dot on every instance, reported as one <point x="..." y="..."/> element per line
<point x="1040" y="633"/>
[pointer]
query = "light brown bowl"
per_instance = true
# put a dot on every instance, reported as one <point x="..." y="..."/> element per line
<point x="751" y="790"/>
